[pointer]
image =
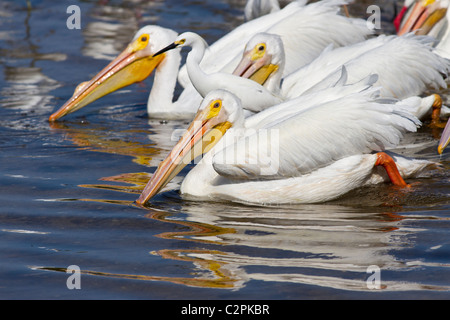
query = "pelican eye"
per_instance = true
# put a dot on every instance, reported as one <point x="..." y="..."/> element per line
<point x="141" y="42"/>
<point x="258" y="51"/>
<point x="214" y="108"/>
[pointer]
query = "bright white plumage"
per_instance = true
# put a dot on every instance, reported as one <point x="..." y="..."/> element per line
<point x="257" y="8"/>
<point x="254" y="97"/>
<point x="301" y="24"/>
<point x="406" y="66"/>
<point x="314" y="158"/>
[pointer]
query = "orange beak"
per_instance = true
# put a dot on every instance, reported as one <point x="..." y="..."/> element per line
<point x="130" y="66"/>
<point x="445" y="138"/>
<point x="424" y="15"/>
<point x="203" y="133"/>
<point x="255" y="67"/>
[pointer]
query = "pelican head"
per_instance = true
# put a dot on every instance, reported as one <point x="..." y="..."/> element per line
<point x="134" y="64"/>
<point x="219" y="111"/>
<point x="262" y="57"/>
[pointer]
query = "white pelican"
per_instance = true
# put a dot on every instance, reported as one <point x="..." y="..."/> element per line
<point x="305" y="30"/>
<point x="406" y="66"/>
<point x="257" y="8"/>
<point x="254" y="97"/>
<point x="429" y="17"/>
<point x="313" y="158"/>
<point x="302" y="25"/>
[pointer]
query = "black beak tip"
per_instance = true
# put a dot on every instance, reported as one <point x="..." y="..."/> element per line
<point x="169" y="47"/>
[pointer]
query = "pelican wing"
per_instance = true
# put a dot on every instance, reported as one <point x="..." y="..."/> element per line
<point x="318" y="25"/>
<point x="295" y="143"/>
<point x="325" y="65"/>
<point x="229" y="47"/>
<point x="302" y="29"/>
<point x="406" y="66"/>
<point x="330" y="89"/>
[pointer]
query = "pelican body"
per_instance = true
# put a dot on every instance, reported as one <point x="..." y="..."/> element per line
<point x="313" y="158"/>
<point x="253" y="96"/>
<point x="406" y="66"/>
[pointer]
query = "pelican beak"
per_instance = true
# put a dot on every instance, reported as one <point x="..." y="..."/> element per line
<point x="424" y="15"/>
<point x="445" y="138"/>
<point x="255" y="67"/>
<point x="130" y="66"/>
<point x="204" y="132"/>
<point x="431" y="20"/>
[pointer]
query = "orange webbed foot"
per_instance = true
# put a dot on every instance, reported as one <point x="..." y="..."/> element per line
<point x="389" y="165"/>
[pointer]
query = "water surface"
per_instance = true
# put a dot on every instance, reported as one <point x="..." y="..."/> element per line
<point x="67" y="189"/>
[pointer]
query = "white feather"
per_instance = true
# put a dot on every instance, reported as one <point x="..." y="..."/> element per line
<point x="316" y="135"/>
<point x="406" y="66"/>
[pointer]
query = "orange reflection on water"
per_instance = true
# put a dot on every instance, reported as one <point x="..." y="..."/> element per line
<point x="101" y="140"/>
<point x="345" y="236"/>
<point x="218" y="275"/>
<point x="198" y="232"/>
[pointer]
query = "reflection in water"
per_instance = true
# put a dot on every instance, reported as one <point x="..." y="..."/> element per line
<point x="219" y="276"/>
<point x="124" y="141"/>
<point x="29" y="87"/>
<point x="113" y="26"/>
<point x="322" y="245"/>
<point x="103" y="140"/>
<point x="329" y="245"/>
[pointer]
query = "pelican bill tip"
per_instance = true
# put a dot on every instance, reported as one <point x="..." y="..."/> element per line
<point x="53" y="117"/>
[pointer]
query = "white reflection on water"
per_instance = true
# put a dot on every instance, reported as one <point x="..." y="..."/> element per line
<point x="329" y="245"/>
<point x="24" y="231"/>
<point x="112" y="27"/>
<point x="28" y="88"/>
<point x="319" y="243"/>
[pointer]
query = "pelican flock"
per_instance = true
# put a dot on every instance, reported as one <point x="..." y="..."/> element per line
<point x="299" y="104"/>
<point x="300" y="24"/>
<point x="428" y="17"/>
<point x="306" y="161"/>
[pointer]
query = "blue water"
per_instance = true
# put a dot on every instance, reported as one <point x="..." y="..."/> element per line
<point x="67" y="189"/>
